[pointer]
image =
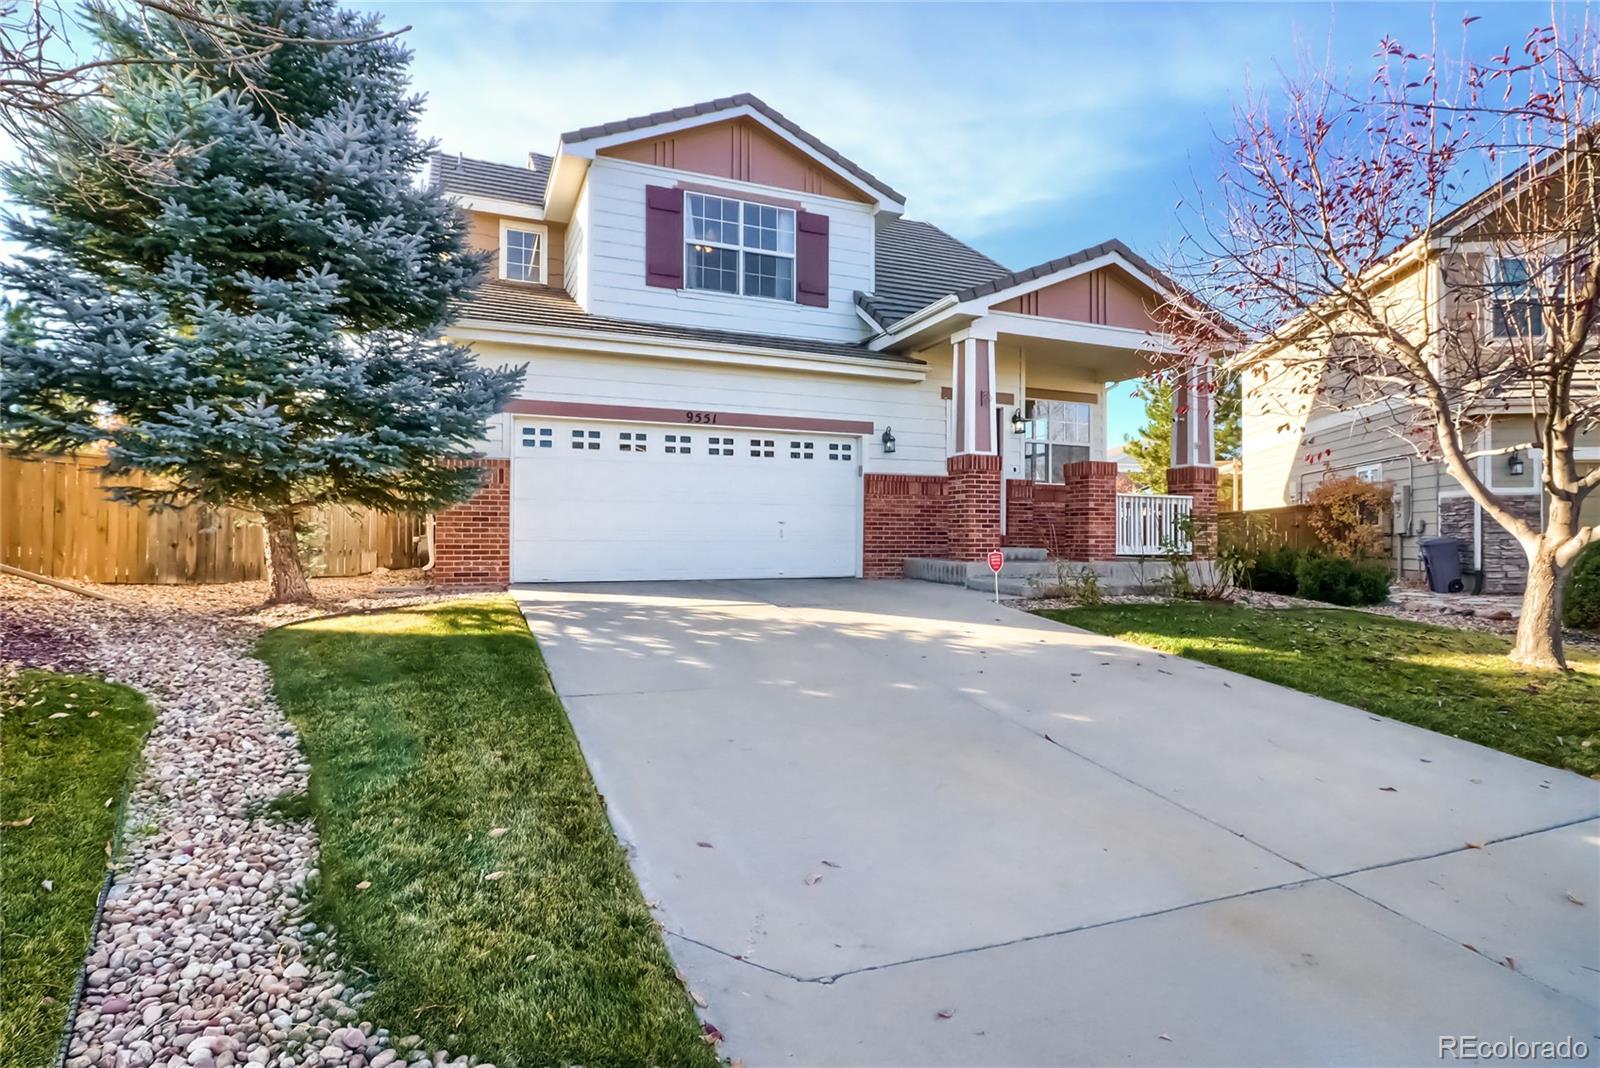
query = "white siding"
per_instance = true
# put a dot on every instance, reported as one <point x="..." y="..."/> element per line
<point x="577" y="262"/>
<point x="615" y="249"/>
<point x="913" y="409"/>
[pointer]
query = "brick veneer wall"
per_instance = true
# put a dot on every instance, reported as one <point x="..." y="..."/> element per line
<point x="904" y="515"/>
<point x="472" y="541"/>
<point x="1505" y="565"/>
<point x="1087" y="510"/>
<point x="972" y="498"/>
<point x="1201" y="484"/>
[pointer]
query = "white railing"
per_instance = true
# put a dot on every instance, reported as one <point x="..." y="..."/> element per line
<point x="1150" y="524"/>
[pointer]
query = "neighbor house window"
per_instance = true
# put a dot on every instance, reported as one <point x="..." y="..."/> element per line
<point x="522" y="252"/>
<point x="735" y="246"/>
<point x="1515" y="302"/>
<point x="1057" y="434"/>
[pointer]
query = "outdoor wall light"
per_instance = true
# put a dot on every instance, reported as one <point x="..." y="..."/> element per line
<point x="888" y="439"/>
<point x="1514" y="463"/>
<point x="1019" y="425"/>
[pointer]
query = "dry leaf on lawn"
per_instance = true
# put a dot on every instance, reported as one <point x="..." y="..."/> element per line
<point x="17" y="823"/>
<point x="492" y="876"/>
<point x="364" y="884"/>
<point x="496" y="832"/>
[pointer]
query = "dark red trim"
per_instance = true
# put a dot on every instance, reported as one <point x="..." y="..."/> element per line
<point x="738" y="194"/>
<point x="663" y="237"/>
<point x="811" y="259"/>
<point x="701" y="417"/>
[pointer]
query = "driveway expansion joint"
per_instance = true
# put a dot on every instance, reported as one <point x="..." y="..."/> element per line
<point x="1293" y="884"/>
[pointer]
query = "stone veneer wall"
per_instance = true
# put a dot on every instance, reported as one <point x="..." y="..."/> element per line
<point x="1505" y="565"/>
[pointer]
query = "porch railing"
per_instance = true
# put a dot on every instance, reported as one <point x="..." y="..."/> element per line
<point x="1150" y="524"/>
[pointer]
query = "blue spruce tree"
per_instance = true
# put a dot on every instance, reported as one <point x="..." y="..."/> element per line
<point x="255" y="315"/>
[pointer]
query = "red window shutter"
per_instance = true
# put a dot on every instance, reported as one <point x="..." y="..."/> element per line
<point x="811" y="259"/>
<point x="663" y="236"/>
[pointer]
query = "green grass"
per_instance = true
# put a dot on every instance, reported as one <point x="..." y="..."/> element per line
<point x="1452" y="681"/>
<point x="428" y="727"/>
<point x="56" y="775"/>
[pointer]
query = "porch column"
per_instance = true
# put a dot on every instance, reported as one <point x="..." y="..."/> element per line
<point x="1193" y="472"/>
<point x="972" y="495"/>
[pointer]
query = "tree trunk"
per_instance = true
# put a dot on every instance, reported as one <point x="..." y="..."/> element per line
<point x="1539" y="631"/>
<point x="285" y="577"/>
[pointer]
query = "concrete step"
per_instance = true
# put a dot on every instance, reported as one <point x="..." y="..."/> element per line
<point x="1036" y="577"/>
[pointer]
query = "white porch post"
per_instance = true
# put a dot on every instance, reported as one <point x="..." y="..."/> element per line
<point x="1193" y="433"/>
<point x="972" y="379"/>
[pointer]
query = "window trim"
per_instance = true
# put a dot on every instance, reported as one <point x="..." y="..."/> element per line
<point x="543" y="233"/>
<point x="1029" y="438"/>
<point x="741" y="248"/>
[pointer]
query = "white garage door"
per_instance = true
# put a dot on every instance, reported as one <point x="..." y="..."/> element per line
<point x="599" y="501"/>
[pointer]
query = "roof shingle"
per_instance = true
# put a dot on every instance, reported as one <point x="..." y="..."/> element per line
<point x="917" y="264"/>
<point x="533" y="305"/>
<point x="462" y="175"/>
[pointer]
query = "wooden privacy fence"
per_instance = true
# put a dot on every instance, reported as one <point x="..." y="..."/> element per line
<point x="56" y="520"/>
<point x="1289" y="526"/>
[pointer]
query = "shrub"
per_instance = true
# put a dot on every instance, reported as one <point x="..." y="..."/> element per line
<point x="1346" y="513"/>
<point x="1275" y="570"/>
<point x="1583" y="591"/>
<point x="1337" y="580"/>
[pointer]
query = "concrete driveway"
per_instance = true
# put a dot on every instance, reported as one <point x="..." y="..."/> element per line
<point x="890" y="823"/>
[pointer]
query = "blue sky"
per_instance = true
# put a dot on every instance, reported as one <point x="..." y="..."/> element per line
<point x="1028" y="130"/>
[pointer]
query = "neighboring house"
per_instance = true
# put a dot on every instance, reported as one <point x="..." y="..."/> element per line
<point x="1127" y="470"/>
<point x="743" y="360"/>
<point x="1300" y="428"/>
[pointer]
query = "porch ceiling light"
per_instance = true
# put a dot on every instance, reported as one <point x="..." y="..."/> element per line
<point x="888" y="439"/>
<point x="1019" y="425"/>
<point x="1514" y="463"/>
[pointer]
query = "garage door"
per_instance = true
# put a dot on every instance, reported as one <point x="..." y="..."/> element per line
<point x="599" y="501"/>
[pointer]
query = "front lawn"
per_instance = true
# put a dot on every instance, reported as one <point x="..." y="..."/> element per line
<point x="66" y="745"/>
<point x="1453" y="681"/>
<point x="466" y="858"/>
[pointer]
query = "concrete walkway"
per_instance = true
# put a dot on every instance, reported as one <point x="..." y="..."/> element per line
<point x="891" y="823"/>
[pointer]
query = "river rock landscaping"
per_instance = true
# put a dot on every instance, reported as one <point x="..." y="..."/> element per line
<point x="205" y="956"/>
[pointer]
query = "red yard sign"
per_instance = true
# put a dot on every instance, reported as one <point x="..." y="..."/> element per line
<point x="997" y="560"/>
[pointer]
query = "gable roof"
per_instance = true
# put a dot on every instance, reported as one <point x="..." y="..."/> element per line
<point x="917" y="264"/>
<point x="463" y="176"/>
<point x="522" y="304"/>
<point x="730" y="103"/>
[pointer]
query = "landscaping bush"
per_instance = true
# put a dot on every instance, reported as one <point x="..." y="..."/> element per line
<point x="1583" y="591"/>
<point x="1337" y="580"/>
<point x="1347" y="514"/>
<point x="1274" y="570"/>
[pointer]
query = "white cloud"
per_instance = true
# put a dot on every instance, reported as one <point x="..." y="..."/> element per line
<point x="979" y="115"/>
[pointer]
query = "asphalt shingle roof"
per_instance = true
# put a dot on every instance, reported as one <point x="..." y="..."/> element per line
<point x="534" y="305"/>
<point x="461" y="175"/>
<point x="727" y="103"/>
<point x="918" y="263"/>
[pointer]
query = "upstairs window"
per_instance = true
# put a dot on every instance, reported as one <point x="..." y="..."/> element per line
<point x="738" y="247"/>
<point x="1057" y="434"/>
<point x="1515" y="311"/>
<point x="522" y="252"/>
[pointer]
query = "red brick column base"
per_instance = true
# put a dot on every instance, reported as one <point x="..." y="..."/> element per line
<point x="972" y="494"/>
<point x="472" y="541"/>
<point x="1089" y="510"/>
<point x="1201" y="484"/>
<point x="903" y="515"/>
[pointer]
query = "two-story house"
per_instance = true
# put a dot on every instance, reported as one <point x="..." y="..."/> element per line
<point x="1466" y="284"/>
<point x="743" y="360"/>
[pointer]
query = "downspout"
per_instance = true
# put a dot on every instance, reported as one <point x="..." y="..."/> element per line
<point x="427" y="538"/>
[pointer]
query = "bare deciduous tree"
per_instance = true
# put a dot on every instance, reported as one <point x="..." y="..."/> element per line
<point x="1422" y="254"/>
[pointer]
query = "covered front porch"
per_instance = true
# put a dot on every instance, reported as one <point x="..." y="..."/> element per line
<point x="1029" y="368"/>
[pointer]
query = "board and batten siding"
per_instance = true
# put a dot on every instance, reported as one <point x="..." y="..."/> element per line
<point x="915" y="410"/>
<point x="614" y="249"/>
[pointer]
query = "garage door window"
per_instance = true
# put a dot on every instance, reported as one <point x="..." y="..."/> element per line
<point x="538" y="437"/>
<point x="800" y="450"/>
<point x="632" y="441"/>
<point x="839" y="450"/>
<point x="721" y="447"/>
<point x="679" y="443"/>
<point x="761" y="448"/>
<point x="586" y="439"/>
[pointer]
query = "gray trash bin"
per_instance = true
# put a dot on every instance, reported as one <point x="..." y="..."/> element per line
<point x="1441" y="560"/>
